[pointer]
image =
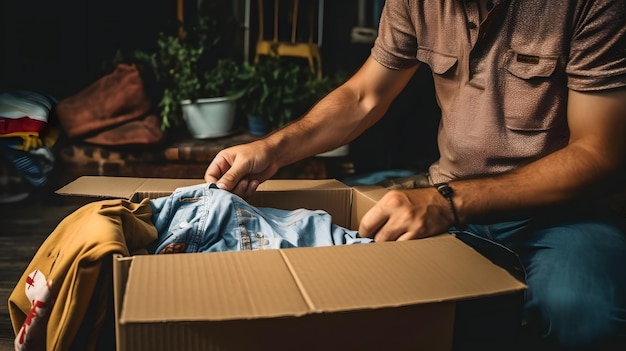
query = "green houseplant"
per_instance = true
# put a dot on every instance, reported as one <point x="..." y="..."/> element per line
<point x="183" y="81"/>
<point x="174" y="66"/>
<point x="188" y="67"/>
<point x="187" y="78"/>
<point x="278" y="91"/>
<point x="210" y="112"/>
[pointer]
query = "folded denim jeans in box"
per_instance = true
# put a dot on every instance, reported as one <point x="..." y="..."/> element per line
<point x="204" y="218"/>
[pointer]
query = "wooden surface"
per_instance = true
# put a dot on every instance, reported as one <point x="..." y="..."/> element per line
<point x="184" y="150"/>
<point x="203" y="150"/>
<point x="187" y="158"/>
<point x="23" y="228"/>
<point x="180" y="159"/>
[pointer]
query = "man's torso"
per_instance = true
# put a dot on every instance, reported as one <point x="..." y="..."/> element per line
<point x="501" y="79"/>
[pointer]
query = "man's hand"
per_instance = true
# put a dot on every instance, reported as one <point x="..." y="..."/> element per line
<point x="240" y="169"/>
<point x="407" y="214"/>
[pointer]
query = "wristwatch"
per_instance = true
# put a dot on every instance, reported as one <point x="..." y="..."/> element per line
<point x="446" y="191"/>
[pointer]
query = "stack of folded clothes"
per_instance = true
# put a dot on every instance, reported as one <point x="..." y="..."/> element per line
<point x="27" y="137"/>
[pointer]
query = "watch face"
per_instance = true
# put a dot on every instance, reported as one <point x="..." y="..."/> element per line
<point x="445" y="190"/>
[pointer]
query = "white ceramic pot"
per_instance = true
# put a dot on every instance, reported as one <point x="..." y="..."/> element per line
<point x="209" y="117"/>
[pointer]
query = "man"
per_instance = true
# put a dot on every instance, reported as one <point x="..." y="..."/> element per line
<point x="532" y="140"/>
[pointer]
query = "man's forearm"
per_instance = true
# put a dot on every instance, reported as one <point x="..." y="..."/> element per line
<point x="342" y="115"/>
<point x="562" y="176"/>
<point x="593" y="161"/>
<point x="334" y="121"/>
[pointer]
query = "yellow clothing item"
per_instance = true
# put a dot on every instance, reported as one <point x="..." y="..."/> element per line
<point x="31" y="140"/>
<point x="69" y="275"/>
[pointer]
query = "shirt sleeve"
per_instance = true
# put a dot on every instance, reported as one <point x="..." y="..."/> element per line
<point x="598" y="47"/>
<point x="396" y="44"/>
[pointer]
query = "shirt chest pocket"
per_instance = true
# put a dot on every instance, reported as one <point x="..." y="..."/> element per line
<point x="529" y="84"/>
<point x="440" y="64"/>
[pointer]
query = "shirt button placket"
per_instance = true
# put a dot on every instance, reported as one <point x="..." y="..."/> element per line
<point x="473" y="19"/>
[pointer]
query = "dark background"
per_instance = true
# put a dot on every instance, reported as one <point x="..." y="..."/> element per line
<point x="60" y="47"/>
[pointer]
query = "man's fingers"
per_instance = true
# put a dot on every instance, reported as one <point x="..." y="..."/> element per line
<point x="371" y="222"/>
<point x="240" y="169"/>
<point x="245" y="187"/>
<point x="216" y="169"/>
<point x="225" y="173"/>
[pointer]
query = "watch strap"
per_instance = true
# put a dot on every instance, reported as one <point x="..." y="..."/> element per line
<point x="446" y="191"/>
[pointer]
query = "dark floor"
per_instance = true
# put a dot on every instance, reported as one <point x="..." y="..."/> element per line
<point x="24" y="225"/>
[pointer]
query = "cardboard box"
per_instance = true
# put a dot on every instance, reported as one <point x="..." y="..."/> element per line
<point x="393" y="295"/>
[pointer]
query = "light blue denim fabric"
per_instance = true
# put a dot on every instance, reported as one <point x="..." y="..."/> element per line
<point x="204" y="218"/>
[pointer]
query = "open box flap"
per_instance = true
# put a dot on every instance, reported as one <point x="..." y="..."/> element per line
<point x="298" y="281"/>
<point x="122" y="187"/>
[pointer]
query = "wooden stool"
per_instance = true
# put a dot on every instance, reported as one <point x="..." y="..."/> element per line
<point x="275" y="47"/>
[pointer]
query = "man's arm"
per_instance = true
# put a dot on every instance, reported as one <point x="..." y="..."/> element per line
<point x="593" y="160"/>
<point x="336" y="120"/>
<point x="342" y="115"/>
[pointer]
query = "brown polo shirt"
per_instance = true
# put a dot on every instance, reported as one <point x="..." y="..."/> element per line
<point x="502" y="82"/>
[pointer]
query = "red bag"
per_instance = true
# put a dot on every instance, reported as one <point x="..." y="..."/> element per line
<point x="114" y="110"/>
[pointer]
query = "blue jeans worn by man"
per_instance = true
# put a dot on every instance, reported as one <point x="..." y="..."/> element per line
<point x="578" y="242"/>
